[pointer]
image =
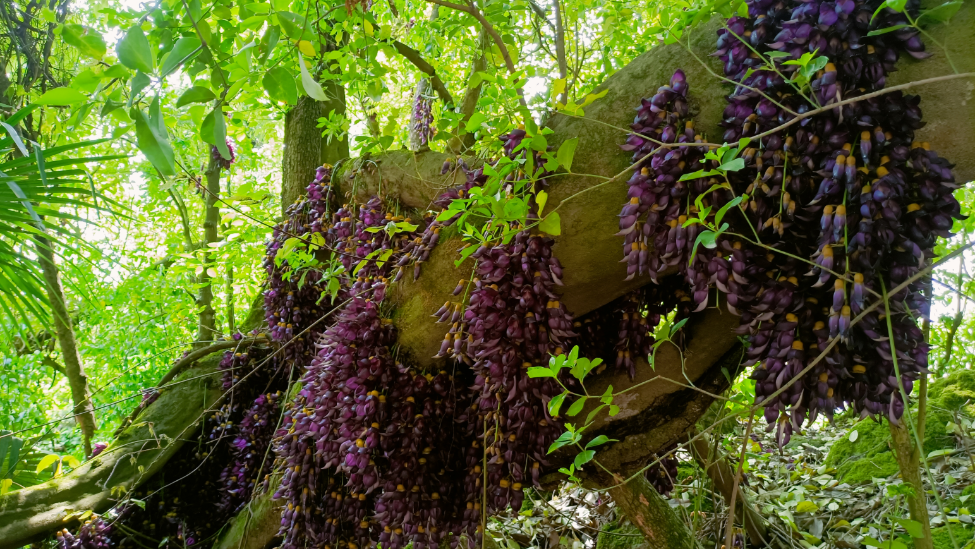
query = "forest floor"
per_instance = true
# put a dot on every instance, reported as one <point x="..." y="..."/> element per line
<point x="832" y="486"/>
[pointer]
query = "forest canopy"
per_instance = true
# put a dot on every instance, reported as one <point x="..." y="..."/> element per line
<point x="291" y="273"/>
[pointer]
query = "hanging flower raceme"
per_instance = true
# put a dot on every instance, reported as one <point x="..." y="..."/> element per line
<point x="848" y="188"/>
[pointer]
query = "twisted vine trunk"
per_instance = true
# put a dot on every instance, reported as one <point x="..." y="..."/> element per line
<point x="73" y="368"/>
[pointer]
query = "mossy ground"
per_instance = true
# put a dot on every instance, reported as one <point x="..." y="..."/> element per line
<point x="870" y="455"/>
<point x="609" y="538"/>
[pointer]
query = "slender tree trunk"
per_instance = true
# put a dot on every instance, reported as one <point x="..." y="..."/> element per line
<point x="908" y="460"/>
<point x="560" y="49"/>
<point x="304" y="147"/>
<point x="75" y="372"/>
<point x="208" y="317"/>
<point x="473" y="93"/>
<point x="650" y="513"/>
<point x="719" y="471"/>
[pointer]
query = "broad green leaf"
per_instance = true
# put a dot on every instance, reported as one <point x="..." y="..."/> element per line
<point x="154" y="145"/>
<point x="474" y="122"/>
<point x="564" y="438"/>
<point x="555" y="404"/>
<point x="312" y="88"/>
<point x="86" y="81"/>
<point x="576" y="407"/>
<point x="196" y="94"/>
<point x="86" y="39"/>
<point x="552" y="224"/>
<point x="280" y="85"/>
<point x="601" y="439"/>
<point x="912" y="527"/>
<point x="60" y="97"/>
<point x="613" y="410"/>
<point x="214" y="131"/>
<point x="541" y="198"/>
<point x="538" y="371"/>
<point x="46" y="462"/>
<point x="185" y="49"/>
<point x="567" y="151"/>
<point x="732" y="166"/>
<point x="139" y="82"/>
<point x="293" y="25"/>
<point x="15" y="137"/>
<point x="806" y="507"/>
<point x="5" y="485"/>
<point x="72" y="462"/>
<point x="942" y="13"/>
<point x="583" y="458"/>
<point x="133" y="50"/>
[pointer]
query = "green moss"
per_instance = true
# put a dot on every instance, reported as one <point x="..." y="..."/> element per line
<point x="942" y="539"/>
<point x="609" y="538"/>
<point x="870" y="456"/>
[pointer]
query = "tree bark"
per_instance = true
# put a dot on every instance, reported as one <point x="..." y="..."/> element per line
<point x="163" y="427"/>
<point x="207" y="329"/>
<point x="304" y="147"/>
<point x="73" y="368"/>
<point x="909" y="462"/>
<point x="723" y="477"/>
<point x="650" y="513"/>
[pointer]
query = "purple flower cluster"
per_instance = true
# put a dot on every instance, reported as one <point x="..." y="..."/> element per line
<point x="249" y="452"/>
<point x="95" y="533"/>
<point x="847" y="188"/>
<point x="663" y="473"/>
<point x="224" y="162"/>
<point x="513" y="320"/>
<point x="422" y="120"/>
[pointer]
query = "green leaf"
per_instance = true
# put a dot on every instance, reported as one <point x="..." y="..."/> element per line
<point x="280" y="85"/>
<point x="564" y="438"/>
<point x="583" y="458"/>
<point x="293" y="25"/>
<point x="706" y="238"/>
<point x="732" y="166"/>
<point x="598" y="441"/>
<point x="942" y="13"/>
<point x="196" y="94"/>
<point x="15" y="137"/>
<point x="474" y="122"/>
<point x="724" y="209"/>
<point x="912" y="527"/>
<point x="214" y="131"/>
<point x="88" y="41"/>
<point x="72" y="462"/>
<point x="153" y="143"/>
<point x="139" y="82"/>
<point x="887" y="29"/>
<point x="185" y="49"/>
<point x="552" y="224"/>
<point x="806" y="507"/>
<point x="567" y="151"/>
<point x="46" y="462"/>
<point x="538" y="371"/>
<point x="613" y="410"/>
<point x="576" y="407"/>
<point x="60" y="97"/>
<point x="133" y="50"/>
<point x="555" y="404"/>
<point x="312" y="88"/>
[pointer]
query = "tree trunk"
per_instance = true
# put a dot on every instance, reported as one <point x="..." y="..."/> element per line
<point x="74" y="370"/>
<point x="304" y="147"/>
<point x="723" y="477"/>
<point x="650" y="513"/>
<point x="207" y="329"/>
<point x="909" y="461"/>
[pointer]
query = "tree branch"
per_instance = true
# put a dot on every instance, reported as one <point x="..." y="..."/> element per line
<point x="414" y="57"/>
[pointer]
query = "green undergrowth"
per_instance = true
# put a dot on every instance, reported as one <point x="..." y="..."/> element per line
<point x="963" y="536"/>
<point x="870" y="456"/>
<point x="609" y="537"/>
